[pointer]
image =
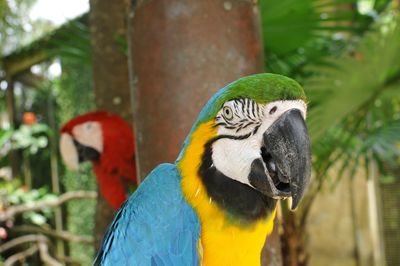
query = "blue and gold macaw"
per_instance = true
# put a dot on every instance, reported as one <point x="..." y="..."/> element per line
<point x="248" y="148"/>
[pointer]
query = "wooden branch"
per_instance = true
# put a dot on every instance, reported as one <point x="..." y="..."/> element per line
<point x="45" y="256"/>
<point x="64" y="235"/>
<point x="41" y="245"/>
<point x="30" y="79"/>
<point x="22" y="240"/>
<point x="21" y="255"/>
<point x="12" y="68"/>
<point x="14" y="210"/>
<point x="68" y="260"/>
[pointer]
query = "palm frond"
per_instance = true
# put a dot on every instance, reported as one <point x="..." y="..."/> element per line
<point x="357" y="79"/>
<point x="297" y="32"/>
<point x="72" y="42"/>
<point x="376" y="138"/>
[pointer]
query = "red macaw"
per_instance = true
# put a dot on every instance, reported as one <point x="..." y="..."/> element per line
<point x="108" y="141"/>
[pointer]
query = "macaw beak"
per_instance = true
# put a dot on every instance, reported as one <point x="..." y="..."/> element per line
<point x="69" y="153"/>
<point x="285" y="167"/>
<point x="73" y="153"/>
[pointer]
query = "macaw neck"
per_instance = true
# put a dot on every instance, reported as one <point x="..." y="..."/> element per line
<point x="228" y="236"/>
<point x="113" y="182"/>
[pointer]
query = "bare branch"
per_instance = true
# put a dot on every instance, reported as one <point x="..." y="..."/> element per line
<point x="21" y="255"/>
<point x="68" y="260"/>
<point x="64" y="235"/>
<point x="41" y="245"/>
<point x="45" y="256"/>
<point x="22" y="240"/>
<point x="14" y="210"/>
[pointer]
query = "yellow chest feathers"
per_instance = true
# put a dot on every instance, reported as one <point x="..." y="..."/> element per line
<point x="227" y="244"/>
<point x="223" y="242"/>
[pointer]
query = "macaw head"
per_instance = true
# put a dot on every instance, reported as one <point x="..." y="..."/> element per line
<point x="95" y="136"/>
<point x="107" y="141"/>
<point x="249" y="146"/>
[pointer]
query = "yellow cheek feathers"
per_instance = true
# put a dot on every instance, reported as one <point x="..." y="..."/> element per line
<point x="223" y="242"/>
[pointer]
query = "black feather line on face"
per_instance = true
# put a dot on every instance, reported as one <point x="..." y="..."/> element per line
<point x="256" y="129"/>
<point x="247" y="110"/>
<point x="238" y="200"/>
<point x="253" y="109"/>
<point x="250" y="123"/>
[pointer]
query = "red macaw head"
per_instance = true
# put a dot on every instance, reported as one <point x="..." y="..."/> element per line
<point x="106" y="140"/>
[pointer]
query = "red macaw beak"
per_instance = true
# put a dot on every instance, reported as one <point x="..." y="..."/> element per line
<point x="68" y="151"/>
<point x="73" y="152"/>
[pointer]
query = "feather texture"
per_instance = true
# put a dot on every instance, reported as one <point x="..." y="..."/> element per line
<point x="156" y="226"/>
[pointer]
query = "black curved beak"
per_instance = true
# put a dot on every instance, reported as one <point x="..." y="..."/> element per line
<point x="86" y="153"/>
<point x="285" y="167"/>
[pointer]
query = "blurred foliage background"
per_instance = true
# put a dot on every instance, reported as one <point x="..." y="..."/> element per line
<point x="346" y="53"/>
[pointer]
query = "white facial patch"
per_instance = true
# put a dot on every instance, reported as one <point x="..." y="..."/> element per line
<point x="274" y="110"/>
<point x="241" y="125"/>
<point x="89" y="134"/>
<point x="69" y="154"/>
<point x="234" y="157"/>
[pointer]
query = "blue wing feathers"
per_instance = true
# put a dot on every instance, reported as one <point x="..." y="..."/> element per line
<point x="155" y="226"/>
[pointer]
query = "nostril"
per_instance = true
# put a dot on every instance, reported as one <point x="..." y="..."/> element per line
<point x="273" y="110"/>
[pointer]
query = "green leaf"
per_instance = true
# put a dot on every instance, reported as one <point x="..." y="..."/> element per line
<point x="35" y="218"/>
<point x="296" y="32"/>
<point x="387" y="179"/>
<point x="5" y="136"/>
<point x="357" y="79"/>
<point x="31" y="137"/>
<point x="49" y="197"/>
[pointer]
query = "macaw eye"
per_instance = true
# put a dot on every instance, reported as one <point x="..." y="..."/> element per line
<point x="228" y="114"/>
<point x="88" y="126"/>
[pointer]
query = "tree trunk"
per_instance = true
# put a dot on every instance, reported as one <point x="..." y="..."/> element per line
<point x="12" y="119"/>
<point x="293" y="239"/>
<point x="272" y="251"/>
<point x="110" y="75"/>
<point x="181" y="53"/>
